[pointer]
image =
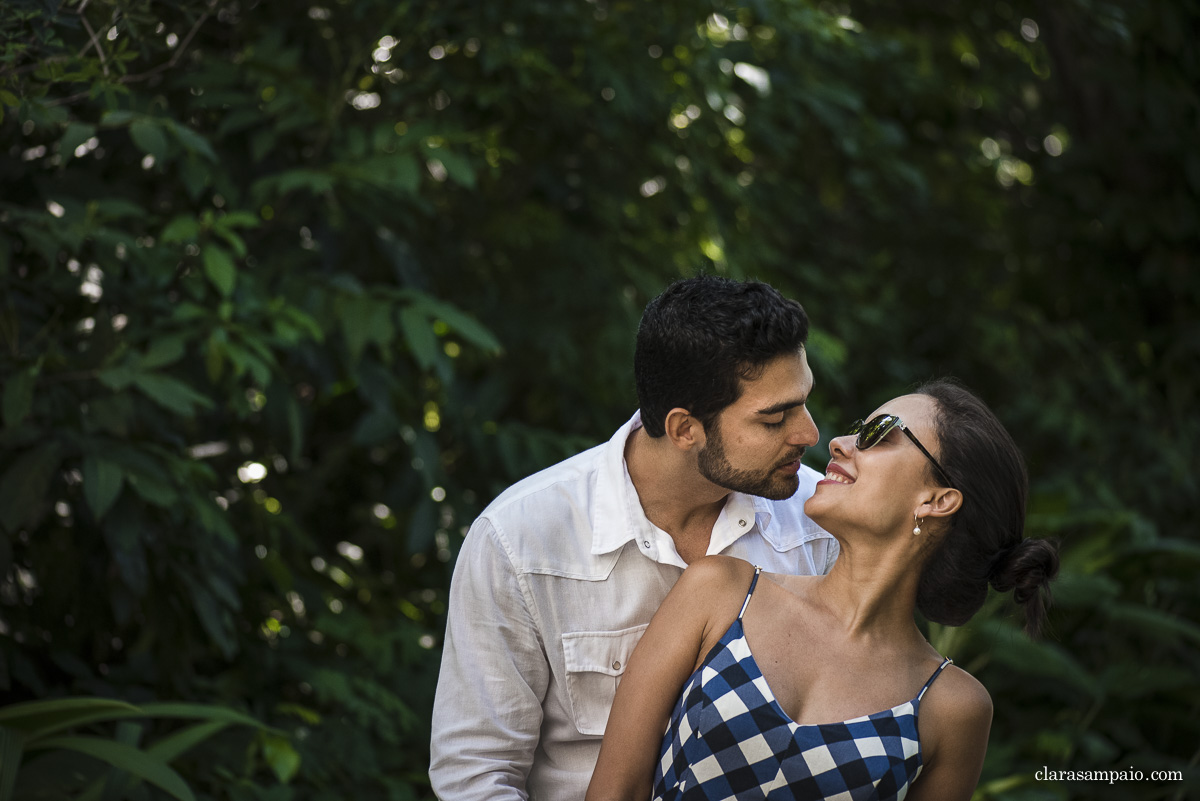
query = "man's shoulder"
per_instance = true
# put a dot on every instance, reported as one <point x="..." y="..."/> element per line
<point x="567" y="481"/>
<point x="545" y="523"/>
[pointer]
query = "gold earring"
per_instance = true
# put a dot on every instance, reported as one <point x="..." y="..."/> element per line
<point x="916" y="526"/>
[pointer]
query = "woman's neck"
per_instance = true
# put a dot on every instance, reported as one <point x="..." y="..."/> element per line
<point x="871" y="590"/>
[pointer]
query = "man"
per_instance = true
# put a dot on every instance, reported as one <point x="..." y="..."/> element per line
<point x="560" y="575"/>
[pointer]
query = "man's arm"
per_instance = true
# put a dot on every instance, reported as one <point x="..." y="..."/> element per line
<point x="488" y="709"/>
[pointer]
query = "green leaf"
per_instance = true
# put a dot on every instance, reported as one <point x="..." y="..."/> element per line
<point x="101" y="484"/>
<point x="419" y="333"/>
<point x="195" y="174"/>
<point x="172" y="709"/>
<point x="281" y="756"/>
<point x="1150" y="622"/>
<point x="118" y="782"/>
<point x="232" y="238"/>
<point x="170" y="393"/>
<point x="113" y="119"/>
<point x="76" y="134"/>
<point x="23" y="487"/>
<point x="115" y="208"/>
<point x="117" y="378"/>
<point x="458" y="168"/>
<point x="180" y="229"/>
<point x="43" y="718"/>
<point x="148" y="136"/>
<point x="192" y="141"/>
<point x="12" y="743"/>
<point x="126" y="758"/>
<point x="214" y="618"/>
<point x="220" y="269"/>
<point x="18" y="396"/>
<point x="174" y="746"/>
<point x="422" y="525"/>
<point x="364" y="320"/>
<point x="310" y="716"/>
<point x="162" y="353"/>
<point x="467" y="326"/>
<point x="238" y="219"/>
<point x="60" y="712"/>
<point x="1166" y="546"/>
<point x="313" y="180"/>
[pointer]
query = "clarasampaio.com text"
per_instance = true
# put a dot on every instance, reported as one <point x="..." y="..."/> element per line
<point x="1110" y="776"/>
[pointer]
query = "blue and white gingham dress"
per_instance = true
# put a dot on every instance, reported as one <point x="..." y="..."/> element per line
<point x="730" y="739"/>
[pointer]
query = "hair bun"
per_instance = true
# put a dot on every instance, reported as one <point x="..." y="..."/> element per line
<point x="1026" y="570"/>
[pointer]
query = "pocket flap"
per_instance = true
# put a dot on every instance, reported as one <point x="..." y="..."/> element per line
<point x="600" y="651"/>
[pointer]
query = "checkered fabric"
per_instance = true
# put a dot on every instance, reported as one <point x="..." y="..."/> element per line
<point x="730" y="739"/>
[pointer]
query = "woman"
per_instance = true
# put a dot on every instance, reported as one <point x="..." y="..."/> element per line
<point x="927" y="501"/>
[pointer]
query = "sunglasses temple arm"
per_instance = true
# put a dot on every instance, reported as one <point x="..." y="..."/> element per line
<point x="928" y="455"/>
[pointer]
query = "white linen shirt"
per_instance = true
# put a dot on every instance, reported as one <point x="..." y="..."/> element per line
<point x="553" y="587"/>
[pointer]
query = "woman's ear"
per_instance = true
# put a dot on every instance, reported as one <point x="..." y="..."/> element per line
<point x="684" y="431"/>
<point x="943" y="503"/>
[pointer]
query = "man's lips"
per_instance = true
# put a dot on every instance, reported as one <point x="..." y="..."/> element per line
<point x="836" y="475"/>
<point x="792" y="464"/>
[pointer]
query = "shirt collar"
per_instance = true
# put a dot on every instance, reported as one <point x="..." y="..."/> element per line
<point x="616" y="500"/>
<point x="617" y="515"/>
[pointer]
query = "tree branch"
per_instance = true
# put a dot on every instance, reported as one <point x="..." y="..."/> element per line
<point x="141" y="76"/>
<point x="94" y="41"/>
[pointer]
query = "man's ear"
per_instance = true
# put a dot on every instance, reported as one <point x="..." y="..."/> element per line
<point x="943" y="503"/>
<point x="684" y="431"/>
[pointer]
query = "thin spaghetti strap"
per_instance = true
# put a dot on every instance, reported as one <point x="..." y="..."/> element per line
<point x="936" y="673"/>
<point x="753" y="583"/>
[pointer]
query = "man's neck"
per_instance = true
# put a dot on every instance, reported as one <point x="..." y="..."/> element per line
<point x="673" y="494"/>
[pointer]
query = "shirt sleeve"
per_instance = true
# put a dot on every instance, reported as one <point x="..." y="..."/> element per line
<point x="487" y="712"/>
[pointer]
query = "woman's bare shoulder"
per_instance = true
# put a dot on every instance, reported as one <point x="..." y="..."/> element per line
<point x="718" y="573"/>
<point x="956" y="701"/>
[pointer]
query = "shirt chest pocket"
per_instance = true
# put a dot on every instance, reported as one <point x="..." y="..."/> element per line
<point x="595" y="662"/>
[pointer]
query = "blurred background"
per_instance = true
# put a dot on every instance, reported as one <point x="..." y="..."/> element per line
<point x="290" y="292"/>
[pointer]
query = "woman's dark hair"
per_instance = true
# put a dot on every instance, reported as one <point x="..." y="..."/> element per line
<point x="701" y="337"/>
<point x="984" y="542"/>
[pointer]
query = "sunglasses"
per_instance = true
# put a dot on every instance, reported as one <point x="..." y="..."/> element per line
<point x="872" y="433"/>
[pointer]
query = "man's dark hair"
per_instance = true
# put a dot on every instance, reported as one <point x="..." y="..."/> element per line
<point x="702" y="337"/>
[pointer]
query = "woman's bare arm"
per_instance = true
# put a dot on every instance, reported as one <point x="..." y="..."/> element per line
<point x="684" y="627"/>
<point x="954" y="720"/>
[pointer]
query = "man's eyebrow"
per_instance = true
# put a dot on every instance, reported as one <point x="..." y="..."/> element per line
<point x="782" y="406"/>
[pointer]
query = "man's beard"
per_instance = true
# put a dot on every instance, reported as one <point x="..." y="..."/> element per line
<point x="765" y="483"/>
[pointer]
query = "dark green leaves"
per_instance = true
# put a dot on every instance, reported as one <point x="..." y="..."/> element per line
<point x="101" y="484"/>
<point x="148" y="135"/>
<point x="172" y="394"/>
<point x="389" y="258"/>
<point x="18" y="395"/>
<point x="24" y="484"/>
<point x="220" y="269"/>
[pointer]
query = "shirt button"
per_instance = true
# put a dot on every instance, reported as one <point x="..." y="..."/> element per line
<point x="645" y="543"/>
<point x="616" y="664"/>
<point x="742" y="523"/>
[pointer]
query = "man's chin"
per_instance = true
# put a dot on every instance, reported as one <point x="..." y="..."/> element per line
<point x="776" y="489"/>
<point x="781" y="491"/>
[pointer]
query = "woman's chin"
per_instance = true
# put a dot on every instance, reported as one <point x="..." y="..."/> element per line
<point x="816" y="509"/>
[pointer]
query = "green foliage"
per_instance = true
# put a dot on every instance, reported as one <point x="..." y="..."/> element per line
<point x="288" y="294"/>
<point x="38" y="726"/>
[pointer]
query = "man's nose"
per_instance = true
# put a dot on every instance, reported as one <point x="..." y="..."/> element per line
<point x="805" y="432"/>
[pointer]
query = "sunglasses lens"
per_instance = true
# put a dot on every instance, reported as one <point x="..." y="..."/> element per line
<point x="875" y="431"/>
